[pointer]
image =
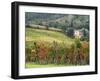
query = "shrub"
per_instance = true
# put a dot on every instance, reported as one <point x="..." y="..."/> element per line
<point x="43" y="52"/>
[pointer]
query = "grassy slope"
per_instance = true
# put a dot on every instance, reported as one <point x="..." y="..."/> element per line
<point x="32" y="65"/>
<point x="46" y="35"/>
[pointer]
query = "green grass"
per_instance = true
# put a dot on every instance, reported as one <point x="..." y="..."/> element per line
<point x="34" y="65"/>
<point x="46" y="35"/>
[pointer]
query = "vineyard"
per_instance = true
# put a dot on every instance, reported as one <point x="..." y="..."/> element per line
<point x="45" y="48"/>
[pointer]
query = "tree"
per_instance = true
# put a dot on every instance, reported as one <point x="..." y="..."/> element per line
<point x="70" y="32"/>
<point x="85" y="34"/>
<point x="78" y="43"/>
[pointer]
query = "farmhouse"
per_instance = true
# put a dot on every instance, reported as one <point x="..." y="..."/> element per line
<point x="78" y="33"/>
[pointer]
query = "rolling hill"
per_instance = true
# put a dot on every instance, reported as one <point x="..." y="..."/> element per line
<point x="47" y="36"/>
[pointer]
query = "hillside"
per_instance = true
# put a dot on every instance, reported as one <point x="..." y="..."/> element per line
<point x="46" y="35"/>
<point x="57" y="20"/>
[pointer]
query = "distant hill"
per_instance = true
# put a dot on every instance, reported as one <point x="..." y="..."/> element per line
<point x="62" y="21"/>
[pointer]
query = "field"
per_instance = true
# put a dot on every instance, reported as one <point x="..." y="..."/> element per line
<point x="46" y="48"/>
<point x="33" y="65"/>
<point x="47" y="36"/>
